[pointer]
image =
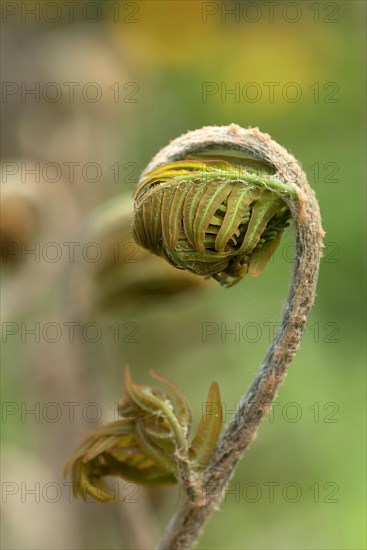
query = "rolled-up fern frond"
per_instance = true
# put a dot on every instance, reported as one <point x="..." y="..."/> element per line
<point x="213" y="203"/>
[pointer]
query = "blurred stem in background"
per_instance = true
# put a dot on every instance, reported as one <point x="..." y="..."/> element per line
<point x="127" y="277"/>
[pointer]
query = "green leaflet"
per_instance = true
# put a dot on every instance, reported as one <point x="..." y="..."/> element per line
<point x="193" y="198"/>
<point x="151" y="477"/>
<point x="210" y="201"/>
<point x="142" y="396"/>
<point x="262" y="212"/>
<point x="208" y="431"/>
<point x="155" y="451"/>
<point x="261" y="256"/>
<point x="238" y="202"/>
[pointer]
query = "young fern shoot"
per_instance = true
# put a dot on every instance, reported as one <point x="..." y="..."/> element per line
<point x="215" y="202"/>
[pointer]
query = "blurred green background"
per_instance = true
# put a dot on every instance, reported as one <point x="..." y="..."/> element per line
<point x="164" y="68"/>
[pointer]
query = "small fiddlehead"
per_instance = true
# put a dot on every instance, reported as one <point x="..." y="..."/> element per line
<point x="149" y="443"/>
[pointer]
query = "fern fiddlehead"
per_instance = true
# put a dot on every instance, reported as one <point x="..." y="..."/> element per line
<point x="215" y="202"/>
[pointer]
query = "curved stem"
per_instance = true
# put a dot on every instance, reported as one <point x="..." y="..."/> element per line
<point x="191" y="516"/>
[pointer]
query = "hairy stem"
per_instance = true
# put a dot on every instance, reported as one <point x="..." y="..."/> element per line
<point x="191" y="516"/>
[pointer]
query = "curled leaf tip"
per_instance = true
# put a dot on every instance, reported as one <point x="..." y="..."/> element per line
<point x="144" y="445"/>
